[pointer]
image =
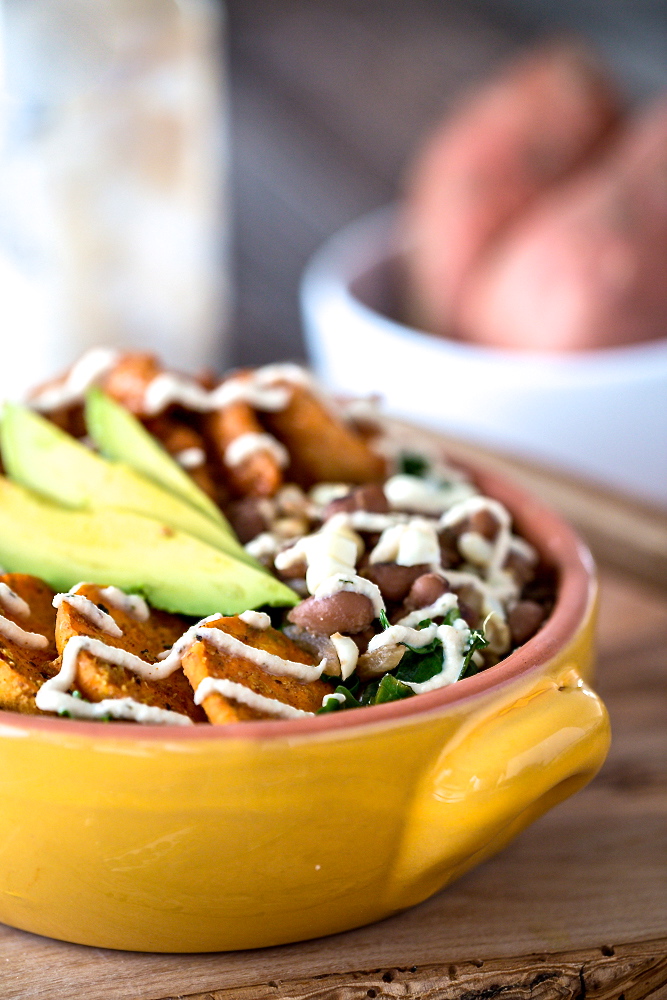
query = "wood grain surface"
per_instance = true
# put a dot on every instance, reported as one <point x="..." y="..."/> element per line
<point x="576" y="906"/>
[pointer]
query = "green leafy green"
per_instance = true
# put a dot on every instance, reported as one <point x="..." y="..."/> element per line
<point x="476" y="641"/>
<point x="391" y="689"/>
<point x="335" y="705"/>
<point x="384" y="621"/>
<point x="419" y="664"/>
<point x="411" y="463"/>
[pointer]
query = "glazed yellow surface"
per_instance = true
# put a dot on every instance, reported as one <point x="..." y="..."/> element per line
<point x="216" y="844"/>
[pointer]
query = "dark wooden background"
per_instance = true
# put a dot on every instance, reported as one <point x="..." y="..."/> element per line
<point x="330" y="97"/>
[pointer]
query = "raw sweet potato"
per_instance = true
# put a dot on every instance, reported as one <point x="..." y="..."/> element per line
<point x="587" y="266"/>
<point x="509" y="142"/>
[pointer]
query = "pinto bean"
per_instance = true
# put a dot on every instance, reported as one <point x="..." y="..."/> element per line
<point x="524" y="620"/>
<point x="393" y="580"/>
<point x="484" y="523"/>
<point x="345" y="611"/>
<point x="247" y="518"/>
<point x="470" y="604"/>
<point x="449" y="553"/>
<point x="369" y="497"/>
<point x="426" y="589"/>
<point x="522" y="569"/>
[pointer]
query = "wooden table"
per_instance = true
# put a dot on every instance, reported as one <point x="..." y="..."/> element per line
<point x="575" y="907"/>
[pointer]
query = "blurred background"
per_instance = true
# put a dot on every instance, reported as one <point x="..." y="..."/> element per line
<point x="330" y="100"/>
<point x="169" y="167"/>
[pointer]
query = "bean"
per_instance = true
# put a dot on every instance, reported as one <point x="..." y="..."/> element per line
<point x="393" y="580"/>
<point x="524" y="620"/>
<point x="426" y="589"/>
<point x="345" y="611"/>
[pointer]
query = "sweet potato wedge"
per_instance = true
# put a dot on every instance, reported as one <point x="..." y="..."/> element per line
<point x="97" y="679"/>
<point x="586" y="268"/>
<point x="129" y="379"/>
<point x="524" y="129"/>
<point x="204" y="660"/>
<point x="23" y="669"/>
<point x="321" y="447"/>
<point x="259" y="475"/>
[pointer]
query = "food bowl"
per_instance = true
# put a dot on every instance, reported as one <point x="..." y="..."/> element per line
<point x="594" y="413"/>
<point x="213" y="838"/>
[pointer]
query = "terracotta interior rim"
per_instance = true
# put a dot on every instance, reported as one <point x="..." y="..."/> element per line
<point x="552" y="536"/>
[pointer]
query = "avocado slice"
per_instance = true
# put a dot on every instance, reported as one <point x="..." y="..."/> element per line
<point x="173" y="570"/>
<point x="120" y="436"/>
<point x="44" y="458"/>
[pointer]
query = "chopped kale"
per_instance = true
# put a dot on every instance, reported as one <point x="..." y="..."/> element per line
<point x="384" y="621"/>
<point x="411" y="463"/>
<point x="335" y="705"/>
<point x="420" y="664"/>
<point x="476" y="641"/>
<point x="391" y="689"/>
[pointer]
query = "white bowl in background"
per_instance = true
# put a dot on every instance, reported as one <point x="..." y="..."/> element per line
<point x="601" y="414"/>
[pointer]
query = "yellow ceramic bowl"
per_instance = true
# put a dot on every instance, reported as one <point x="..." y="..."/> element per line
<point x="268" y="832"/>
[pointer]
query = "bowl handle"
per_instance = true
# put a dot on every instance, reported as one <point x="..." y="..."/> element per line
<point x="496" y="775"/>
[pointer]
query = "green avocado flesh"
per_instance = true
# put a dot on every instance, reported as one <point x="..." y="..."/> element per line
<point x="171" y="569"/>
<point x="121" y="437"/>
<point x="39" y="455"/>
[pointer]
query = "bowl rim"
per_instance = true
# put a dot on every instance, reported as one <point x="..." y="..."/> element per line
<point x="576" y="589"/>
<point x="372" y="241"/>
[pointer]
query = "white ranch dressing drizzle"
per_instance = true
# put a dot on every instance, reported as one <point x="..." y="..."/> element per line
<point x="256" y="619"/>
<point x="260" y="389"/>
<point x="266" y="545"/>
<point x="247" y="445"/>
<point x="90" y="611"/>
<point x="426" y="496"/>
<point x="88" y="370"/>
<point x="333" y="696"/>
<point x="495" y="556"/>
<point x="368" y="520"/>
<point x="29" y="640"/>
<point x="355" y="584"/>
<point x="10" y="601"/>
<point x="190" y="458"/>
<point x="332" y="550"/>
<point x="245" y="696"/>
<point x="272" y="664"/>
<point x="440" y="607"/>
<point x="53" y="695"/>
<point x="131" y="604"/>
<point x="408" y="544"/>
<point x="347" y="652"/>
<point x="454" y="639"/>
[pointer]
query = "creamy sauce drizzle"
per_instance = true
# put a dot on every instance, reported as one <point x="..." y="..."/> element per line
<point x="243" y="695"/>
<point x="408" y="544"/>
<point x="355" y="584"/>
<point x="272" y="664"/>
<point x="10" y="601"/>
<point x="247" y="445"/>
<point x="131" y="604"/>
<point x="439" y="608"/>
<point x="260" y="389"/>
<point x="97" y="618"/>
<point x="53" y="695"/>
<point x="347" y="652"/>
<point x="256" y="619"/>
<point x="89" y="369"/>
<point x="454" y="639"/>
<point x="425" y="496"/>
<point x="191" y="458"/>
<point x="29" y="640"/>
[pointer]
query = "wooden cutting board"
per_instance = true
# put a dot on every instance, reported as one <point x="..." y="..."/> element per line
<point x="575" y="907"/>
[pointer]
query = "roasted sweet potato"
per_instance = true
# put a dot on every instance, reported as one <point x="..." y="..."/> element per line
<point x="97" y="679"/>
<point x="321" y="447"/>
<point x="204" y="660"/>
<point x="24" y="669"/>
<point x="586" y="267"/>
<point x="510" y="141"/>
<point x="260" y="474"/>
<point x="129" y="379"/>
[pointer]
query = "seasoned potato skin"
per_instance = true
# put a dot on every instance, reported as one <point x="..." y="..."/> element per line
<point x="23" y="670"/>
<point x="204" y="660"/>
<point x="321" y="447"/>
<point x="97" y="679"/>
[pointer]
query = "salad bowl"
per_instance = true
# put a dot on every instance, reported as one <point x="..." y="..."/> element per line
<point x="210" y="838"/>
